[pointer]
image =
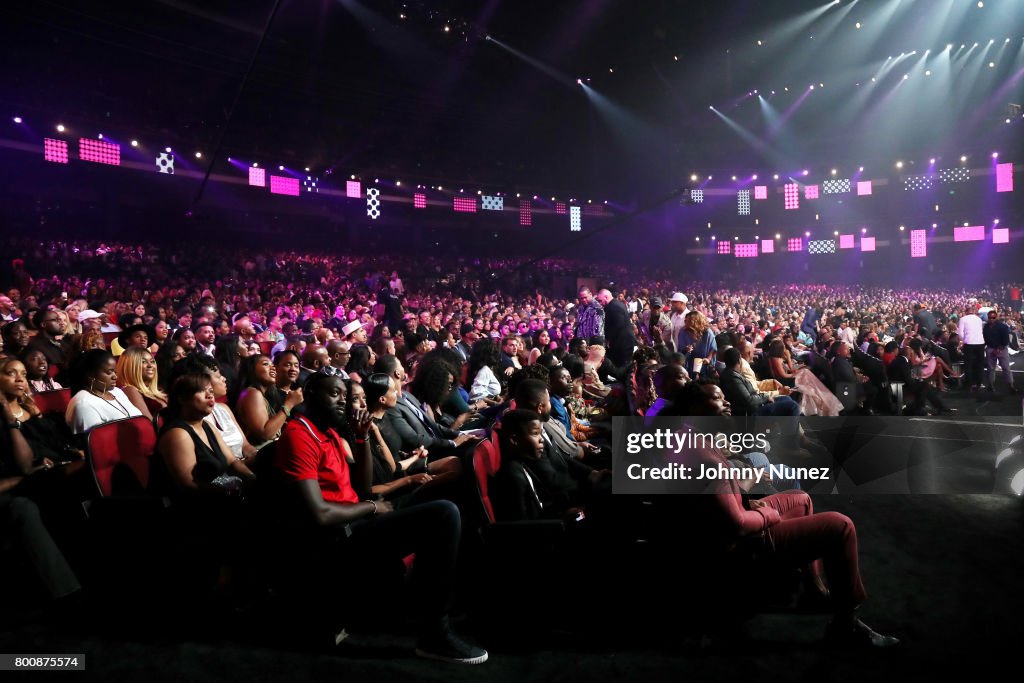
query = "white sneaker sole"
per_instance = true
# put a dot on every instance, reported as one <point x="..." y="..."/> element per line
<point x="453" y="660"/>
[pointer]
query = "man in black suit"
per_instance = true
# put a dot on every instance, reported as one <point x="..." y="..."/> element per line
<point x="901" y="370"/>
<point x="843" y="372"/>
<point x="618" y="329"/>
<point x="408" y="421"/>
<point x="468" y="337"/>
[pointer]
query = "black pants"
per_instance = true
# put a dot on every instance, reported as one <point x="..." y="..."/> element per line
<point x="974" y="360"/>
<point x="431" y="532"/>
<point x="21" y="521"/>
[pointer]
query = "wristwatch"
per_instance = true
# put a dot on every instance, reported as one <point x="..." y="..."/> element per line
<point x="14" y="425"/>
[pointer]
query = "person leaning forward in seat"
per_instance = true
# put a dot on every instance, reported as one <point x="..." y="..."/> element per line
<point x="313" y="457"/>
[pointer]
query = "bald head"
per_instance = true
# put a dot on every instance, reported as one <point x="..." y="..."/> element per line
<point x="339" y="352"/>
<point x="315" y="357"/>
<point x="604" y="297"/>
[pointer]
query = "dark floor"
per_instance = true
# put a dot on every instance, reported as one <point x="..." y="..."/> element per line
<point x="943" y="573"/>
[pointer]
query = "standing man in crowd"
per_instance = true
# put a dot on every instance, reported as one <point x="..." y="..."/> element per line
<point x="678" y="316"/>
<point x="997" y="342"/>
<point x="589" y="316"/>
<point x="618" y="329"/>
<point x="972" y="333"/>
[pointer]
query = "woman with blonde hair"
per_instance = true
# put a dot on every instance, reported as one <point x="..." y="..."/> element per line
<point x="697" y="342"/>
<point x="137" y="377"/>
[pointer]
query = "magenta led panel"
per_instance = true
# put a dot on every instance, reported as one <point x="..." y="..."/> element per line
<point x="593" y="209"/>
<point x="867" y="243"/>
<point x="791" y="192"/>
<point x="354" y="189"/>
<point x="282" y="185"/>
<point x="744" y="250"/>
<point x="464" y="204"/>
<point x="969" y="233"/>
<point x="795" y="244"/>
<point x="918" y="244"/>
<point x="767" y="247"/>
<point x="257" y="177"/>
<point x="846" y="241"/>
<point x="419" y="200"/>
<point x="99" y="151"/>
<point x="863" y="187"/>
<point x="725" y="247"/>
<point x="1004" y="177"/>
<point x="55" y="151"/>
<point x="760" y="192"/>
<point x="560" y="207"/>
<point x="1001" y="236"/>
<point x="811" y="192"/>
<point x="525" y="212"/>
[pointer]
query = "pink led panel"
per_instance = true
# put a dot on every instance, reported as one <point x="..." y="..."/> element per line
<point x="1001" y="236"/>
<point x="969" y="233"/>
<point x="791" y="192"/>
<point x="55" y="150"/>
<point x="99" y="151"/>
<point x="745" y="250"/>
<point x="846" y="241"/>
<point x="1004" y="177"/>
<point x="918" y="244"/>
<point x="354" y="189"/>
<point x="559" y="207"/>
<point x="257" y="177"/>
<point x="282" y="185"/>
<point x="867" y="243"/>
<point x="464" y="204"/>
<point x="725" y="247"/>
<point x="767" y="247"/>
<point x="863" y="187"/>
<point x="593" y="209"/>
<point x="760" y="192"/>
<point x="525" y="212"/>
<point x="795" y="244"/>
<point x="811" y="192"/>
<point x="419" y="200"/>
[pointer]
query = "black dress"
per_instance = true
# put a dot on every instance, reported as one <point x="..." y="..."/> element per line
<point x="210" y="460"/>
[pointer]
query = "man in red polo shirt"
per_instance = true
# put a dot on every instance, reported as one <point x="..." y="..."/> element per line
<point x="312" y="455"/>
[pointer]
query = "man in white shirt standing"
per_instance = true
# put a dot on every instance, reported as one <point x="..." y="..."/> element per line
<point x="972" y="333"/>
<point x="678" y="316"/>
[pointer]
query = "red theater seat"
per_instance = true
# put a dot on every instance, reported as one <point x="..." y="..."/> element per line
<point x="53" y="401"/>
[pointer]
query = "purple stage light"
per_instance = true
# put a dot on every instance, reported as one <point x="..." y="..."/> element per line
<point x="257" y="177"/>
<point x="746" y="250"/>
<point x="918" y="244"/>
<point x="98" y="152"/>
<point x="791" y="192"/>
<point x="353" y="189"/>
<point x="811" y="192"/>
<point x="969" y="233"/>
<point x="863" y="187"/>
<point x="1004" y="177"/>
<point x="55" y="151"/>
<point x="767" y="247"/>
<point x="560" y="207"/>
<point x="419" y="200"/>
<point x="795" y="244"/>
<point x="760" y="192"/>
<point x="282" y="185"/>
<point x="724" y="247"/>
<point x="525" y="212"/>
<point x="846" y="241"/>
<point x="1001" y="236"/>
<point x="464" y="204"/>
<point x="17" y="119"/>
<point x="867" y="243"/>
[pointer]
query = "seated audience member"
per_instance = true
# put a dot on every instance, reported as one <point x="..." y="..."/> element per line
<point x="21" y="521"/>
<point x="844" y="373"/>
<point x="48" y="438"/>
<point x="98" y="400"/>
<point x="16" y="338"/>
<point x="313" y="457"/>
<point x="288" y="368"/>
<point x="533" y="395"/>
<point x="901" y="370"/>
<point x="339" y="352"/>
<point x="780" y="528"/>
<point x="51" y="340"/>
<point x="668" y="382"/>
<point x="193" y="458"/>
<point x="38" y="370"/>
<point x="222" y="418"/>
<point x="185" y="338"/>
<point x="399" y="480"/>
<point x="560" y="388"/>
<point x="410" y="423"/>
<point x="229" y="352"/>
<point x="137" y="377"/>
<point x="262" y="411"/>
<point x="360" y="362"/>
<point x="697" y="341"/>
<point x="170" y="353"/>
<point x="483" y="370"/>
<point x="137" y="335"/>
<point x="433" y="384"/>
<point x="746" y="397"/>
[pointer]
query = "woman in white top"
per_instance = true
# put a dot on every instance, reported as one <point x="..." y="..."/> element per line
<point x="483" y="361"/>
<point x="98" y="400"/>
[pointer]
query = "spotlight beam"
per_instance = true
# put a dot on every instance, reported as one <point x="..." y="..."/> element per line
<point x="535" y="63"/>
